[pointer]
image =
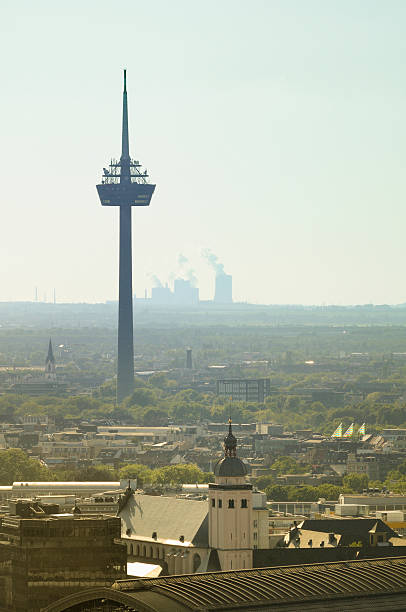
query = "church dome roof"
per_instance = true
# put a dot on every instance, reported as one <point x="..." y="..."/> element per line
<point x="230" y="466"/>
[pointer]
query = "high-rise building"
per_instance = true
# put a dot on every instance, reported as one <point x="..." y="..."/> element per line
<point x="124" y="184"/>
<point x="224" y="289"/>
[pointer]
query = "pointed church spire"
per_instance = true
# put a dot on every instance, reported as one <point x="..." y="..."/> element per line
<point x="50" y="369"/>
<point x="125" y="146"/>
<point x="50" y="357"/>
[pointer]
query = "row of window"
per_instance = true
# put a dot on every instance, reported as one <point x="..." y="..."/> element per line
<point x="231" y="503"/>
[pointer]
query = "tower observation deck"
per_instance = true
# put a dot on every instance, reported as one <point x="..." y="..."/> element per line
<point x="125" y="184"/>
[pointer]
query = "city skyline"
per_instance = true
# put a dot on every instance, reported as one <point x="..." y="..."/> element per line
<point x="293" y="114"/>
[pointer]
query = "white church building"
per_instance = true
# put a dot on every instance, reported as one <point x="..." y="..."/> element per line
<point x="185" y="536"/>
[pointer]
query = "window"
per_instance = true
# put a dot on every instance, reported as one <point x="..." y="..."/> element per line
<point x="213" y="503"/>
<point x="244" y="503"/>
<point x="220" y="503"/>
<point x="255" y="524"/>
<point x="255" y="535"/>
<point x="231" y="503"/>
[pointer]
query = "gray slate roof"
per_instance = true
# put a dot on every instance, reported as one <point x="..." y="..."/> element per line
<point x="169" y="517"/>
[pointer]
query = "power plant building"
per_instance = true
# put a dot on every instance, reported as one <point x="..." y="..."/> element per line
<point x="224" y="289"/>
<point x="184" y="292"/>
<point x="161" y="295"/>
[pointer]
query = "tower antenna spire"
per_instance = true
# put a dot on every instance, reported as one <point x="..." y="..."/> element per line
<point x="125" y="146"/>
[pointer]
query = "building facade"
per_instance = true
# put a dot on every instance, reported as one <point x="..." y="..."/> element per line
<point x="45" y="555"/>
<point x="244" y="389"/>
<point x="230" y="510"/>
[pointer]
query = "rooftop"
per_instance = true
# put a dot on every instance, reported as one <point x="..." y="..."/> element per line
<point x="276" y="585"/>
<point x="346" y="585"/>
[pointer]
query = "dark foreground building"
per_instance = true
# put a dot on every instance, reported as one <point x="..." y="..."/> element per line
<point x="45" y="555"/>
<point x="377" y="584"/>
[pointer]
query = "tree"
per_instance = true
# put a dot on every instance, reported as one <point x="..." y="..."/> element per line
<point x="15" y="465"/>
<point x="277" y="492"/>
<point x="143" y="396"/>
<point x="179" y="474"/>
<point x="328" y="491"/>
<point x="287" y="465"/>
<point x="356" y="482"/>
<point x="154" y="417"/>
<point x="264" y="481"/>
<point x="302" y="493"/>
<point x="92" y="473"/>
<point x="139" y="471"/>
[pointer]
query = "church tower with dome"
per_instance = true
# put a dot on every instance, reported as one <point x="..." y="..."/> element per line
<point x="230" y="509"/>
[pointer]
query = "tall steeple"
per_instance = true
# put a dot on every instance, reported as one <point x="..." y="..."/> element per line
<point x="230" y="509"/>
<point x="50" y="357"/>
<point x="50" y="370"/>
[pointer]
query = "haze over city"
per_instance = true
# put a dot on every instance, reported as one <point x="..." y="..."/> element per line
<point x="274" y="131"/>
<point x="202" y="307"/>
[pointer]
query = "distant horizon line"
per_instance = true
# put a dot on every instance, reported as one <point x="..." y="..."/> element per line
<point x="210" y="303"/>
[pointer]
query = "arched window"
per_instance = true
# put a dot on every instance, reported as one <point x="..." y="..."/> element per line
<point x="137" y="551"/>
<point x="151" y="552"/>
<point x="144" y="551"/>
<point x="244" y="503"/>
<point x="231" y="503"/>
<point x="131" y="549"/>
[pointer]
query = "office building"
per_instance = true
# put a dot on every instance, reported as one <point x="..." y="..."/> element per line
<point x="244" y="389"/>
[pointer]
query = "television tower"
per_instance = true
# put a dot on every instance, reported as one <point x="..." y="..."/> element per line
<point x="124" y="184"/>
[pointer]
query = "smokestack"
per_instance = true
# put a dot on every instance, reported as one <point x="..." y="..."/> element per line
<point x="189" y="359"/>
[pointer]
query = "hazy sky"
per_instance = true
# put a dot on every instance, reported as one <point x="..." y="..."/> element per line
<point x="275" y="131"/>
